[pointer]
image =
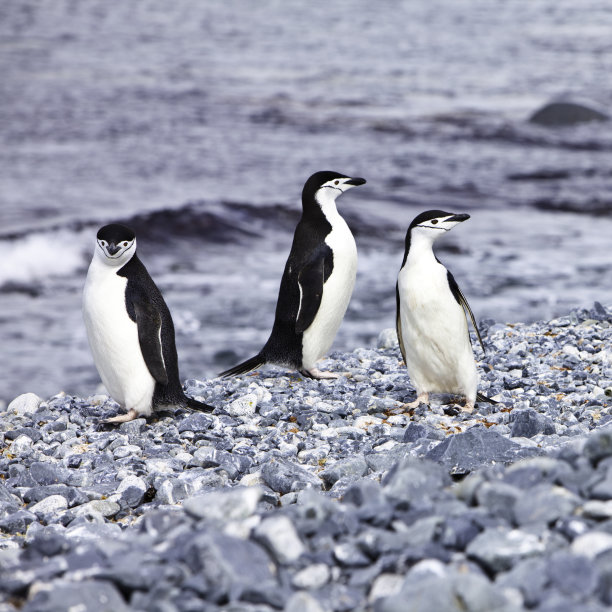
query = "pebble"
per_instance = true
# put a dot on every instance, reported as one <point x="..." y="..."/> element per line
<point x="313" y="495"/>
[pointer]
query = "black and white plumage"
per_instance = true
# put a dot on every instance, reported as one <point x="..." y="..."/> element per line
<point x="130" y="330"/>
<point x="431" y="316"/>
<point x="317" y="282"/>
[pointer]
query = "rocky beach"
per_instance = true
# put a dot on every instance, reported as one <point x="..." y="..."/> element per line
<point x="312" y="496"/>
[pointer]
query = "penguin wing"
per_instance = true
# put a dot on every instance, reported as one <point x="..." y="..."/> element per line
<point x="398" y="322"/>
<point x="457" y="293"/>
<point x="149" y="323"/>
<point x="311" y="278"/>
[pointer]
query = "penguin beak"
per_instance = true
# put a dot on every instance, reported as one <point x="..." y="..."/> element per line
<point x="458" y="218"/>
<point x="355" y="181"/>
<point x="112" y="249"/>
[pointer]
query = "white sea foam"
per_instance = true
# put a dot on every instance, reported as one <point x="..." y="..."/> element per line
<point x="31" y="259"/>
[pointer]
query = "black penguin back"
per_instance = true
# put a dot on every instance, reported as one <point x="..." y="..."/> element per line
<point x="141" y="287"/>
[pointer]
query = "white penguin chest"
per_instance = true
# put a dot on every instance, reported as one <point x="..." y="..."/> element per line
<point x="337" y="291"/>
<point x="113" y="339"/>
<point x="439" y="355"/>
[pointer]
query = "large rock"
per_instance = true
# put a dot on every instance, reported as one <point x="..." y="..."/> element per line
<point x="464" y="452"/>
<point x="83" y="595"/>
<point x="284" y="477"/>
<point x="560" y="114"/>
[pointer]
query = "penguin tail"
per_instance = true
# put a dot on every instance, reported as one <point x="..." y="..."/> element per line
<point x="244" y="367"/>
<point x="483" y="398"/>
<point x="195" y="405"/>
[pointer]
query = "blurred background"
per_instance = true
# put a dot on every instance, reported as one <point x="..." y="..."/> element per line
<point x="197" y="123"/>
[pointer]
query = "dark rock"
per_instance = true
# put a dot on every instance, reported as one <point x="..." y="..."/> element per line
<point x="599" y="445"/>
<point x="498" y="498"/>
<point x="572" y="575"/>
<point x="528" y="423"/>
<point x="32" y="433"/>
<point x="17" y="522"/>
<point x="83" y="595"/>
<point x="560" y="114"/>
<point x="414" y="432"/>
<point x="48" y="473"/>
<point x="464" y="452"/>
<point x="283" y="476"/>
<point x="528" y="576"/>
<point x="498" y="550"/>
<point x="413" y="481"/>
<point x="544" y="504"/>
<point x="196" y="421"/>
<point x="350" y="468"/>
<point x="73" y="495"/>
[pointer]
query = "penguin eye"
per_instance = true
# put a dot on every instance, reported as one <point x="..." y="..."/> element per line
<point x="336" y="182"/>
<point x="434" y="221"/>
<point x="125" y="243"/>
<point x="103" y="243"/>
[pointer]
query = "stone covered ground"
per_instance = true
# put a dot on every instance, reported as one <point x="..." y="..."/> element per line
<point x="313" y="496"/>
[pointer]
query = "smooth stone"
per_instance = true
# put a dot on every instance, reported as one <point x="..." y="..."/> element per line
<point x="544" y="504"/>
<point x="301" y="601"/>
<point x="385" y="585"/>
<point x="414" y="480"/>
<point x="26" y="403"/>
<point x="84" y="595"/>
<point x="279" y="536"/>
<point x="104" y="507"/>
<point x="573" y="575"/>
<point x="50" y="505"/>
<point x="225" y="504"/>
<point x="311" y="577"/>
<point x="529" y="577"/>
<point x="196" y="422"/>
<point x="592" y="544"/>
<point x="387" y="339"/>
<point x="599" y="445"/>
<point x="499" y="549"/>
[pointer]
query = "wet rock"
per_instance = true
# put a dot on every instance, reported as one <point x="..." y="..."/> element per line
<point x="566" y="113"/>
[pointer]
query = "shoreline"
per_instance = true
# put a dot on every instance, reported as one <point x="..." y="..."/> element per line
<point x="322" y="495"/>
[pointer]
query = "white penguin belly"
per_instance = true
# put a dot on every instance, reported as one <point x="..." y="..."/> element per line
<point x="439" y="355"/>
<point x="337" y="291"/>
<point x="113" y="338"/>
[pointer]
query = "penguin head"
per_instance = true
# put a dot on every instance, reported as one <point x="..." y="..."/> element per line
<point x="322" y="188"/>
<point x="432" y="224"/>
<point x="115" y="244"/>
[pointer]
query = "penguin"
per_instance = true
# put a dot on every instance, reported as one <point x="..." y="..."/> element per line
<point x="431" y="317"/>
<point x="316" y="285"/>
<point x="130" y="330"/>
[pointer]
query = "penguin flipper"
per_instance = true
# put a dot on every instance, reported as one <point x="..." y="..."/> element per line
<point x="244" y="367"/>
<point x="310" y="281"/>
<point x="398" y="322"/>
<point x="148" y="321"/>
<point x="462" y="301"/>
<point x="195" y="405"/>
<point x="483" y="398"/>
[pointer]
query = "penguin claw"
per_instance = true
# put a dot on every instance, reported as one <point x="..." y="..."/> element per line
<point x="319" y="375"/>
<point x="421" y="399"/>
<point x="122" y="418"/>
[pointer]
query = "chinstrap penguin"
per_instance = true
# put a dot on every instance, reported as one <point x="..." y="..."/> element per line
<point x="431" y="319"/>
<point x="317" y="282"/>
<point x="130" y="330"/>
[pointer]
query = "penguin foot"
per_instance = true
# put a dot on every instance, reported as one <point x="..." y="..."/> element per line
<point x="318" y="374"/>
<point x="423" y="398"/>
<point x="469" y="408"/>
<point x="123" y="418"/>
